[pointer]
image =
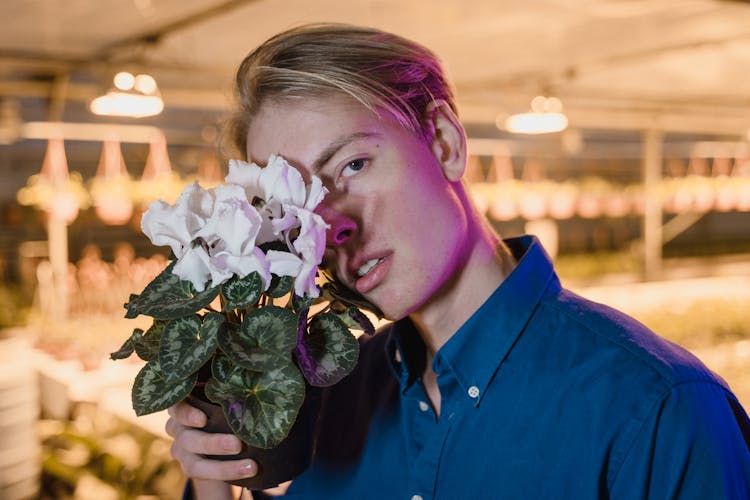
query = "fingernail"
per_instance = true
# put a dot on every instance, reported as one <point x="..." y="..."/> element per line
<point x="231" y="444"/>
<point x="249" y="469"/>
<point x="198" y="419"/>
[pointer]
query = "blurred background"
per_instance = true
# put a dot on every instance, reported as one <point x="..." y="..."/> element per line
<point x="618" y="131"/>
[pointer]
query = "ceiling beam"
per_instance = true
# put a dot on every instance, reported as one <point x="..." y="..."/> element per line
<point x="621" y="114"/>
<point x="175" y="97"/>
<point x="154" y="36"/>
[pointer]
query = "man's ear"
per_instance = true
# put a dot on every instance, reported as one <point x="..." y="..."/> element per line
<point x="447" y="139"/>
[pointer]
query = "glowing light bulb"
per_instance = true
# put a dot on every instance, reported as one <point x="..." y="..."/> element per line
<point x="145" y="84"/>
<point x="124" y="80"/>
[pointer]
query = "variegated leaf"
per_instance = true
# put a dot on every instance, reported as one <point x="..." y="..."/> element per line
<point x="225" y="371"/>
<point x="265" y="340"/>
<point x="152" y="393"/>
<point x="187" y="344"/>
<point x="147" y="347"/>
<point x="329" y="352"/>
<point x="280" y="286"/>
<point x="355" y="319"/>
<point x="262" y="409"/>
<point x="242" y="292"/>
<point x="301" y="303"/>
<point x="169" y="297"/>
<point x="334" y="289"/>
<point x="128" y="347"/>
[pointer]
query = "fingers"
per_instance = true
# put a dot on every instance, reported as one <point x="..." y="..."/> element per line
<point x="186" y="414"/>
<point x="197" y="441"/>
<point x="191" y="444"/>
<point x="197" y="467"/>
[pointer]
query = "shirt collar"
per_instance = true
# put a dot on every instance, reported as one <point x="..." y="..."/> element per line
<point x="405" y="352"/>
<point x="475" y="352"/>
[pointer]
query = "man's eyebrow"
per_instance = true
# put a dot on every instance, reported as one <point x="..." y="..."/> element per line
<point x="336" y="145"/>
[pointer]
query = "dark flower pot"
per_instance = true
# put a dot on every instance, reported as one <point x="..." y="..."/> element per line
<point x="275" y="465"/>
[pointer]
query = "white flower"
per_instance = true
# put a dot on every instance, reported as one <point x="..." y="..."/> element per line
<point x="308" y="248"/>
<point x="176" y="225"/>
<point x="194" y="266"/>
<point x="215" y="234"/>
<point x="311" y="241"/>
<point x="282" y="183"/>
<point x="277" y="184"/>
<point x="230" y="235"/>
<point x="211" y="232"/>
<point x="246" y="175"/>
<point x="315" y="193"/>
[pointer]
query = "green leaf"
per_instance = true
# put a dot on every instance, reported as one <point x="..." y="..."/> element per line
<point x="169" y="297"/>
<point x="262" y="409"/>
<point x="226" y="371"/>
<point x="280" y="286"/>
<point x="333" y="289"/>
<point x="242" y="292"/>
<point x="264" y="341"/>
<point x="128" y="347"/>
<point x="152" y="393"/>
<point x="147" y="347"/>
<point x="356" y="319"/>
<point x="329" y="352"/>
<point x="186" y="344"/>
<point x="301" y="303"/>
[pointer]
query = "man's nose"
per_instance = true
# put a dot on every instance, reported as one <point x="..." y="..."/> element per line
<point x="341" y="227"/>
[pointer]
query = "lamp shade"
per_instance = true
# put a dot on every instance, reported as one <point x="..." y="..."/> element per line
<point x="111" y="188"/>
<point x="54" y="189"/>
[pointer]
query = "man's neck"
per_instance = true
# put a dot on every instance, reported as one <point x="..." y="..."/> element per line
<point x="489" y="262"/>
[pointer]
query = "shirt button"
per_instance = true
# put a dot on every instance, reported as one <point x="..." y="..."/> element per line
<point x="416" y="497"/>
<point x="473" y="391"/>
<point x="423" y="406"/>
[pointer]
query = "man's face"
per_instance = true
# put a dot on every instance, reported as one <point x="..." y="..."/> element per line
<point x="398" y="230"/>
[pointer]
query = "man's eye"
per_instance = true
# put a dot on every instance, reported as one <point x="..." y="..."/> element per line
<point x="353" y="167"/>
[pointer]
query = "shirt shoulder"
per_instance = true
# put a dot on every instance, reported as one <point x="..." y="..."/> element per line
<point x="627" y="341"/>
<point x="658" y="403"/>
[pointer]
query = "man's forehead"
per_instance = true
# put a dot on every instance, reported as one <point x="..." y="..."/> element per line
<point x="308" y="133"/>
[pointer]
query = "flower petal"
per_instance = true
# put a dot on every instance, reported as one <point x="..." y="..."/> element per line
<point x="283" y="263"/>
<point x="282" y="182"/>
<point x="232" y="227"/>
<point x="242" y="265"/>
<point x="164" y="225"/>
<point x="311" y="241"/>
<point x="194" y="267"/>
<point x="246" y="175"/>
<point x="304" y="283"/>
<point x="315" y="193"/>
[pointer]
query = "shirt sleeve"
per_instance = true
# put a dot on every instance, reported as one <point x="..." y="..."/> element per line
<point x="694" y="444"/>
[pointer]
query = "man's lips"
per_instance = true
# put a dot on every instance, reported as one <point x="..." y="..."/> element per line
<point x="368" y="273"/>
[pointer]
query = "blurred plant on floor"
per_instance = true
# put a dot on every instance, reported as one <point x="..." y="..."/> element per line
<point x="96" y="456"/>
<point x="14" y="306"/>
<point x="593" y="266"/>
<point x="700" y="324"/>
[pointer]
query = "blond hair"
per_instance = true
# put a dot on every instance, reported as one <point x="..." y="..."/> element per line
<point x="383" y="71"/>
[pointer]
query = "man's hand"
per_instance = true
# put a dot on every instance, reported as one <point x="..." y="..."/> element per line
<point x="190" y="443"/>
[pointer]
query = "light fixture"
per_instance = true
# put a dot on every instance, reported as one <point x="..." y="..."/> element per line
<point x="158" y="181"/>
<point x="544" y="117"/>
<point x="55" y="190"/>
<point x="135" y="96"/>
<point x="111" y="188"/>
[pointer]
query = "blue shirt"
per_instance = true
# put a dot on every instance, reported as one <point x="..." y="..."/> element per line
<point x="544" y="395"/>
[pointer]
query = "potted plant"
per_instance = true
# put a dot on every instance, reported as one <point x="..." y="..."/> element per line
<point x="238" y="319"/>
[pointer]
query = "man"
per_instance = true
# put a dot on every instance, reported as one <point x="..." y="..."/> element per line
<point x="493" y="381"/>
